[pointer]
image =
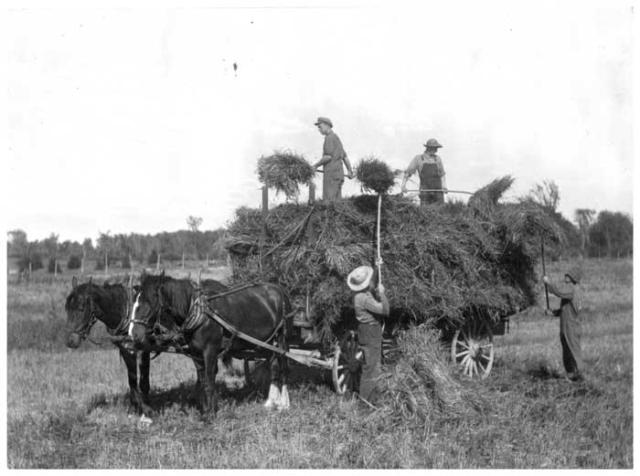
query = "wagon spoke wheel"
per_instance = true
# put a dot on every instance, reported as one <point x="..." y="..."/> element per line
<point x="472" y="349"/>
<point x="347" y="360"/>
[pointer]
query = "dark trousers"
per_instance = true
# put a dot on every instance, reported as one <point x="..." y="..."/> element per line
<point x="332" y="188"/>
<point x="370" y="338"/>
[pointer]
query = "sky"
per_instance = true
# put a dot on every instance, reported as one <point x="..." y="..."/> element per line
<point x="131" y="119"/>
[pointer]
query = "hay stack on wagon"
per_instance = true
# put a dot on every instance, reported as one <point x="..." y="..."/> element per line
<point x="442" y="264"/>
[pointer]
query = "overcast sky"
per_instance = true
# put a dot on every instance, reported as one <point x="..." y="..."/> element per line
<point x="129" y="120"/>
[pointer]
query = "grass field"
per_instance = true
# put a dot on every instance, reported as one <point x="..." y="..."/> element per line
<point x="68" y="409"/>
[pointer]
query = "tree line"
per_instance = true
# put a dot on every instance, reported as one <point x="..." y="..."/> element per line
<point x="117" y="249"/>
<point x="607" y="234"/>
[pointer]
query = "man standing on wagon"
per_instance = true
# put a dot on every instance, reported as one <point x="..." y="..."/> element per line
<point x="431" y="172"/>
<point x="570" y="326"/>
<point x="368" y="313"/>
<point x="333" y="155"/>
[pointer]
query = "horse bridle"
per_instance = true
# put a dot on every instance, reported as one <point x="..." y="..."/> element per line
<point x="154" y="312"/>
<point x="93" y="318"/>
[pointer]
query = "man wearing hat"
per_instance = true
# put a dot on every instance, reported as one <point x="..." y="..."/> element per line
<point x="368" y="313"/>
<point x="570" y="327"/>
<point x="333" y="155"/>
<point x="431" y="173"/>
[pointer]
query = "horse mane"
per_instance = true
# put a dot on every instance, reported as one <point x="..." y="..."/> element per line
<point x="179" y="291"/>
<point x="111" y="298"/>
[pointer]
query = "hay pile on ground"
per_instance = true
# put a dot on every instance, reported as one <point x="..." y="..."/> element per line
<point x="285" y="171"/>
<point x="442" y="264"/>
<point x="421" y="385"/>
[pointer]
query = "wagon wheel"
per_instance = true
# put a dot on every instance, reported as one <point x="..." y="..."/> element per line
<point x="472" y="349"/>
<point x="347" y="363"/>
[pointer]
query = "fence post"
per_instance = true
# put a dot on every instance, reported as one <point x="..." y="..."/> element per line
<point x="312" y="193"/>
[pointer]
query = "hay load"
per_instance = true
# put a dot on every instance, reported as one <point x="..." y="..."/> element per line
<point x="442" y="264"/>
<point x="285" y="171"/>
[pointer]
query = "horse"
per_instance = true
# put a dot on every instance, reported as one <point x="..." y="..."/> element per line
<point x="88" y="303"/>
<point x="259" y="311"/>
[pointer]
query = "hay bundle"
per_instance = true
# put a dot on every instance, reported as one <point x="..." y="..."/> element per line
<point x="375" y="175"/>
<point x="421" y="385"/>
<point x="442" y="265"/>
<point x="285" y="171"/>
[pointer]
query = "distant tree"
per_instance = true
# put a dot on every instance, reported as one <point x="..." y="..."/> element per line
<point x="17" y="243"/>
<point x="54" y="267"/>
<point x="194" y="223"/>
<point x="546" y="194"/>
<point x="33" y="259"/>
<point x="105" y="251"/>
<point x="611" y="235"/>
<point x="87" y="249"/>
<point x="126" y="262"/>
<point x="153" y="258"/>
<point x="584" y="218"/>
<point x="75" y="262"/>
<point x="51" y="245"/>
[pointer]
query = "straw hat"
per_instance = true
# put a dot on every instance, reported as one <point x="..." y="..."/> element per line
<point x="360" y="278"/>
<point x="433" y="143"/>
<point x="575" y="274"/>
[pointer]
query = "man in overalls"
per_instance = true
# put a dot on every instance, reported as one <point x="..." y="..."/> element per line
<point x="333" y="155"/>
<point x="431" y="172"/>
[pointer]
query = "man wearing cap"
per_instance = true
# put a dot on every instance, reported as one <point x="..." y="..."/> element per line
<point x="368" y="313"/>
<point x="333" y="155"/>
<point x="570" y="327"/>
<point x="431" y="173"/>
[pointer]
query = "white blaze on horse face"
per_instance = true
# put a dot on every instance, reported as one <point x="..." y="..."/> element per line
<point x="133" y="314"/>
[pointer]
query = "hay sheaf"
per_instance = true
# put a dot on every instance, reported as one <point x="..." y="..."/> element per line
<point x="442" y="265"/>
<point x="422" y="385"/>
<point x="375" y="175"/>
<point x="285" y="171"/>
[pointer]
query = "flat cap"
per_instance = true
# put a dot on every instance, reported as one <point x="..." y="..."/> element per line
<point x="324" y="120"/>
<point x="433" y="143"/>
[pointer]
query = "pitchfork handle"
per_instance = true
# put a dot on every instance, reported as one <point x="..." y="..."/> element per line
<point x="544" y="270"/>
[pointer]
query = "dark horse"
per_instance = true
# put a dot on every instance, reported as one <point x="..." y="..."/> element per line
<point x="259" y="311"/>
<point x="109" y="303"/>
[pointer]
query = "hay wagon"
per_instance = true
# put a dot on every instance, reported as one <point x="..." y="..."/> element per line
<point x="463" y="267"/>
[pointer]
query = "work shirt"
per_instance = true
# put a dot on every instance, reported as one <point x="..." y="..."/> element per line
<point x="332" y="156"/>
<point x="366" y="305"/>
<point x="421" y="159"/>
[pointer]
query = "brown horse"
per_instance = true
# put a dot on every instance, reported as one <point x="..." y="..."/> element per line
<point x="88" y="303"/>
<point x="259" y="311"/>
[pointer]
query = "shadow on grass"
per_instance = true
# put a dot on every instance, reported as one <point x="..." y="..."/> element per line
<point x="186" y="396"/>
<point x="541" y="371"/>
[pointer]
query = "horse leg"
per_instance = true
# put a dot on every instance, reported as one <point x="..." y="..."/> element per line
<point x="283" y="370"/>
<point x="273" y="399"/>
<point x="199" y="387"/>
<point x="210" y="400"/>
<point x="144" y="361"/>
<point x="132" y="375"/>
